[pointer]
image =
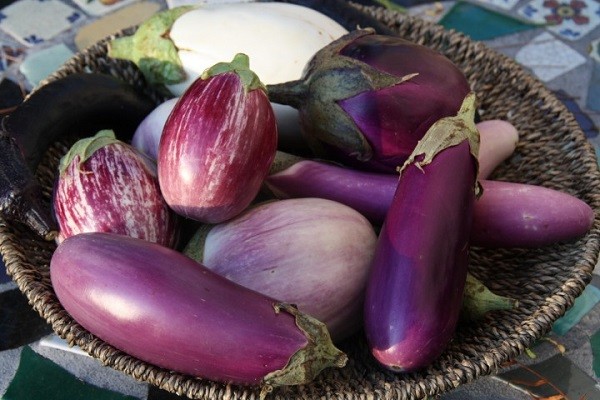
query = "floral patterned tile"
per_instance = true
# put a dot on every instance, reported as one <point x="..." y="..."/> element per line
<point x="570" y="19"/>
<point x="32" y="22"/>
<point x="548" y="57"/>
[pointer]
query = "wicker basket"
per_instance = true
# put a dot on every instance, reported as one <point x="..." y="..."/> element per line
<point x="553" y="152"/>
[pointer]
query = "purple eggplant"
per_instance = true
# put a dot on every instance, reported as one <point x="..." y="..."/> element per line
<point x="217" y="144"/>
<point x="522" y="215"/>
<point x="367" y="99"/>
<point x="416" y="285"/>
<point x="166" y="309"/>
<point x="106" y="185"/>
<point x="313" y="253"/>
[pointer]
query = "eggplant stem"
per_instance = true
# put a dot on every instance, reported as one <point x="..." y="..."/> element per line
<point x="291" y="93"/>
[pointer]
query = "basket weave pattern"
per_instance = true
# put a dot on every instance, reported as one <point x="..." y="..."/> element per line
<point x="552" y="152"/>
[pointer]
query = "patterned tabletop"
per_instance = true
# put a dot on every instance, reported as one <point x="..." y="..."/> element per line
<point x="556" y="40"/>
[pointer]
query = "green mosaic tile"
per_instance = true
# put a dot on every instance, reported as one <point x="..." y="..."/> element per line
<point x="583" y="304"/>
<point x="595" y="343"/>
<point x="480" y="23"/>
<point x="38" y="378"/>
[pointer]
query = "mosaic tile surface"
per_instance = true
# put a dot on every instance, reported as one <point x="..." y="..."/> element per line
<point x="556" y="40"/>
<point x="33" y="22"/>
<point x="570" y="19"/>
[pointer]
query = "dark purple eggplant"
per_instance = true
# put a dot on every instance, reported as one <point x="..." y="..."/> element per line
<point x="367" y="99"/>
<point x="78" y="104"/>
<point x="162" y="307"/>
<point x="416" y="286"/>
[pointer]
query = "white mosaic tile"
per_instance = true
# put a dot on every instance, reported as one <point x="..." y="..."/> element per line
<point x="431" y="12"/>
<point x="505" y="4"/>
<point x="101" y="7"/>
<point x="548" y="57"/>
<point x="570" y="19"/>
<point x="32" y="22"/>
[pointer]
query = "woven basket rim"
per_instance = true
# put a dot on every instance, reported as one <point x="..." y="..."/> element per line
<point x="430" y="383"/>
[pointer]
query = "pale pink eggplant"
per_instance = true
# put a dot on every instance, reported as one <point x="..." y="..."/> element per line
<point x="311" y="252"/>
<point x="106" y="185"/>
<point x="217" y="144"/>
<point x="164" y="308"/>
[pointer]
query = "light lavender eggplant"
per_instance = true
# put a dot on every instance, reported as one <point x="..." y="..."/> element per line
<point x="106" y="185"/>
<point x="416" y="285"/>
<point x="162" y="307"/>
<point x="217" y="144"/>
<point x="366" y="99"/>
<point x="311" y="252"/>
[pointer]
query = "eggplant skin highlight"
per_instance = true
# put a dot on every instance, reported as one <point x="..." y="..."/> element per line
<point x="162" y="307"/>
<point x="416" y="287"/>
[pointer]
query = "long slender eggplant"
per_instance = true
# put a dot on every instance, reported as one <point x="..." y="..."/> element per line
<point x="79" y="104"/>
<point x="416" y="286"/>
<point x="166" y="309"/>
<point x="507" y="214"/>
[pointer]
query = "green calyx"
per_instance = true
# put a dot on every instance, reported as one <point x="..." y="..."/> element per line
<point x="308" y="362"/>
<point x="448" y="132"/>
<point x="479" y="300"/>
<point x="329" y="78"/>
<point x="151" y="49"/>
<point x="85" y="148"/>
<point x="240" y="65"/>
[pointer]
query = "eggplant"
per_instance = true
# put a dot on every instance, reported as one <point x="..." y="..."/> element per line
<point x="175" y="46"/>
<point x="78" y="104"/>
<point x="416" y="284"/>
<point x="366" y="99"/>
<point x="106" y="185"/>
<point x="164" y="308"/>
<point x="507" y="214"/>
<point x="313" y="253"/>
<point x="217" y="144"/>
<point x="522" y="215"/>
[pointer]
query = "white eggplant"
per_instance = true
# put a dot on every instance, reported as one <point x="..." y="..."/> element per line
<point x="175" y="46"/>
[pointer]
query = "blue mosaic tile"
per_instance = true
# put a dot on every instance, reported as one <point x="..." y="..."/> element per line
<point x="585" y="122"/>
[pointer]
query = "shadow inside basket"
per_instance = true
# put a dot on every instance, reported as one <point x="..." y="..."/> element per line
<point x="552" y="152"/>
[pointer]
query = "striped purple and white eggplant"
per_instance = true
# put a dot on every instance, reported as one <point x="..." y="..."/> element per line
<point x="217" y="144"/>
<point x="162" y="307"/>
<point x="417" y="279"/>
<point x="366" y="99"/>
<point x="314" y="253"/>
<point x="106" y="185"/>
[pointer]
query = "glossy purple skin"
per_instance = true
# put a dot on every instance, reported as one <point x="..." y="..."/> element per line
<point x="415" y="289"/>
<point x="528" y="216"/>
<point x="115" y="190"/>
<point x="164" y="308"/>
<point x="507" y="214"/>
<point x="216" y="148"/>
<point x="394" y="119"/>
<point x="367" y="192"/>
